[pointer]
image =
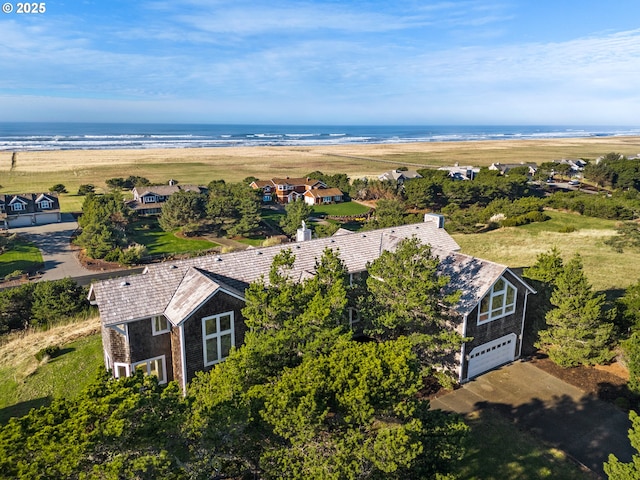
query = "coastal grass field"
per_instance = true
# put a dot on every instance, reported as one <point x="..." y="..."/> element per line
<point x="606" y="269"/>
<point x="39" y="170"/>
<point x="26" y="383"/>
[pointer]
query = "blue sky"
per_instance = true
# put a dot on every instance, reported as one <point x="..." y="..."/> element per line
<point x="324" y="62"/>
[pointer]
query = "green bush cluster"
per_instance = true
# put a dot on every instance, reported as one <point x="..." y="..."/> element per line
<point x="41" y="303"/>
<point x="51" y="351"/>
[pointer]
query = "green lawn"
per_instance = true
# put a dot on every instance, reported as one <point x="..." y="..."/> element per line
<point x="23" y="256"/>
<point x="498" y="450"/>
<point x="340" y="209"/>
<point x="255" y="241"/>
<point x="519" y="246"/>
<point x="61" y="377"/>
<point x="159" y="242"/>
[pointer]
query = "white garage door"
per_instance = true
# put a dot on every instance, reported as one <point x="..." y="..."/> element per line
<point x="44" y="218"/>
<point x="492" y="354"/>
<point x="21" y="221"/>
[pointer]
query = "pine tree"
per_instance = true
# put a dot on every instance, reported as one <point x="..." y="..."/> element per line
<point x="578" y="332"/>
<point x="617" y="470"/>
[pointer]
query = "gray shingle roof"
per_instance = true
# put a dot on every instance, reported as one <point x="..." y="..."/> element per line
<point x="176" y="287"/>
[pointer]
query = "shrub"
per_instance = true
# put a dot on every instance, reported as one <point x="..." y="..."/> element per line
<point x="58" y="187"/>
<point x="271" y="241"/>
<point x="86" y="189"/>
<point x="51" y="351"/>
<point x="567" y="229"/>
<point x="13" y="275"/>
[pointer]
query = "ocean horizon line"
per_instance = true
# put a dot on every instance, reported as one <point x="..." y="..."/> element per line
<point x="41" y="136"/>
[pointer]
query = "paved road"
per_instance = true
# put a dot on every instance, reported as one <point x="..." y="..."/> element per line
<point x="53" y="240"/>
<point x="554" y="411"/>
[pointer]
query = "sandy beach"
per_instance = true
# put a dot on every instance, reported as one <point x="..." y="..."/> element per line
<point x="36" y="170"/>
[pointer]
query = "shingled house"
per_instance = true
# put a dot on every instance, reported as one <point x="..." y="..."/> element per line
<point x="149" y="200"/>
<point x="178" y="318"/>
<point x="287" y="190"/>
<point x="23" y="210"/>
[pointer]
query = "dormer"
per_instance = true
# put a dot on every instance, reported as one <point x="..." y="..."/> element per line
<point x="17" y="204"/>
<point x="44" y="202"/>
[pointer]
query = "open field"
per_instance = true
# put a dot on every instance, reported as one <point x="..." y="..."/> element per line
<point x="519" y="247"/>
<point x="26" y="383"/>
<point x="38" y="171"/>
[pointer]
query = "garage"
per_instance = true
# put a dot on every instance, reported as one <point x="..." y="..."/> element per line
<point x="492" y="354"/>
<point x="45" y="218"/>
<point x="19" y="221"/>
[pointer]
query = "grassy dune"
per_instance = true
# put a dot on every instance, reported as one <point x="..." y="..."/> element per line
<point x="519" y="246"/>
<point x="38" y="171"/>
<point x="26" y="383"/>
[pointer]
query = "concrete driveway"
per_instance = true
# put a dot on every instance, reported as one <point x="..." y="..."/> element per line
<point x="558" y="413"/>
<point x="53" y="240"/>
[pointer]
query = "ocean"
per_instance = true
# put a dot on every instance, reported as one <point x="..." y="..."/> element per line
<point x="107" y="136"/>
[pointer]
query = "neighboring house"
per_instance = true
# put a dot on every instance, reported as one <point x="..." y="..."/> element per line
<point x="178" y="318"/>
<point x="287" y="190"/>
<point x="23" y="210"/>
<point x="461" y="173"/>
<point x="576" y="165"/>
<point x="504" y="168"/>
<point x="399" y="176"/>
<point x="149" y="200"/>
<point x="322" y="195"/>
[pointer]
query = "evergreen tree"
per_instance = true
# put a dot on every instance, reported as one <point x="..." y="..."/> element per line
<point x="297" y="212"/>
<point x="182" y="209"/>
<point x="388" y="213"/>
<point x="617" y="470"/>
<point x="631" y="349"/>
<point x="629" y="308"/>
<point x="578" y="331"/>
<point x="407" y="296"/>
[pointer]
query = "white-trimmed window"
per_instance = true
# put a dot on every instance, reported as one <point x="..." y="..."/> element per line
<point x="153" y="366"/>
<point x="217" y="337"/>
<point x="121" y="370"/>
<point x="159" y="324"/>
<point x="45" y="204"/>
<point x="17" y="207"/>
<point x="498" y="302"/>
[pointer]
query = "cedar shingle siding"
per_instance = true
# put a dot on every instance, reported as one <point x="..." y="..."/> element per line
<point x="220" y="303"/>
<point x="186" y="291"/>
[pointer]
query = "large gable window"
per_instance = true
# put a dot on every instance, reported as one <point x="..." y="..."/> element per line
<point x="17" y="207"/>
<point x="159" y="324"/>
<point x="498" y="302"/>
<point x="217" y="337"/>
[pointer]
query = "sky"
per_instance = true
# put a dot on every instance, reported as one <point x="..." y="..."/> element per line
<point x="323" y="62"/>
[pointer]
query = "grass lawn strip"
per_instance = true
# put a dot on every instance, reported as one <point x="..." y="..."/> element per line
<point x="341" y="209"/>
<point x="26" y="383"/>
<point x="23" y="256"/>
<point x="519" y="247"/>
<point x="159" y="242"/>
